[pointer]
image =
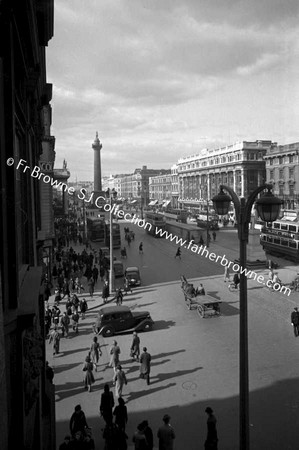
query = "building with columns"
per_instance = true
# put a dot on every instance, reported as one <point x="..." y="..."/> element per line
<point x="241" y="166"/>
<point x="282" y="171"/>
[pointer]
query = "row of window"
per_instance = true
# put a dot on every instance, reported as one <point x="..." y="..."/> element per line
<point x="282" y="173"/>
<point x="248" y="156"/>
<point x="280" y="241"/>
<point x="281" y="160"/>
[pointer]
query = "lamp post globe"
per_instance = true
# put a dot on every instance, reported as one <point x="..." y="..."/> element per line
<point x="221" y="203"/>
<point x="268" y="207"/>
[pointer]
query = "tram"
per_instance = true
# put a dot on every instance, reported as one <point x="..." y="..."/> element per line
<point x="156" y="220"/>
<point x="211" y="220"/>
<point x="281" y="238"/>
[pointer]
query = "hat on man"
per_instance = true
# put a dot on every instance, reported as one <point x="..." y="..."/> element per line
<point x="209" y="410"/>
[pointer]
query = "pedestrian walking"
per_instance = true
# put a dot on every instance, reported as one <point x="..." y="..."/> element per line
<point x="135" y="347"/>
<point x="166" y="434"/>
<point x="88" y="443"/>
<point x="55" y="338"/>
<point x="139" y="439"/>
<point x="88" y="376"/>
<point x="102" y="273"/>
<point x="211" y="442"/>
<point x="95" y="352"/>
<point x="91" y="286"/>
<point x="75" y="302"/>
<point x="145" y="365"/>
<point x="119" y="380"/>
<point x="295" y="321"/>
<point x="95" y="274"/>
<point x="66" y="444"/>
<point x="226" y="274"/>
<point x="105" y="291"/>
<point x="78" y="421"/>
<point x="178" y="253"/>
<point x="75" y="322"/>
<point x="121" y="414"/>
<point x="214" y="236"/>
<point x="65" y="324"/>
<point x="119" y="297"/>
<point x="141" y="248"/>
<point x="148" y="433"/>
<point x="114" y="352"/>
<point x="49" y="372"/>
<point x="106" y="405"/>
<point x="127" y="286"/>
<point x="83" y="307"/>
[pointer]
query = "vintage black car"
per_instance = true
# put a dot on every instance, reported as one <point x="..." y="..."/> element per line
<point x="115" y="319"/>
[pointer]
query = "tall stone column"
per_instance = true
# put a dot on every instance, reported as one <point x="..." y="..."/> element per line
<point x="97" y="177"/>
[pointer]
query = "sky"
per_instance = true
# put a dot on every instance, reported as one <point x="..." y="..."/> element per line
<point x="162" y="79"/>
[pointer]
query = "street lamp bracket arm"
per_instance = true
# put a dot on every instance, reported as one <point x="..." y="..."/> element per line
<point x="251" y="199"/>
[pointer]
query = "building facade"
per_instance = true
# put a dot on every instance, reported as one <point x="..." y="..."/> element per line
<point x="135" y="187"/>
<point x="174" y="186"/>
<point x="282" y="171"/>
<point x="26" y="396"/>
<point x="240" y="166"/>
<point x="160" y="188"/>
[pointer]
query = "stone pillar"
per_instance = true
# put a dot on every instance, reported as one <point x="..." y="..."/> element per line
<point x="97" y="178"/>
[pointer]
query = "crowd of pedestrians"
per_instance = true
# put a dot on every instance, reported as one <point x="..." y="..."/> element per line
<point x="69" y="269"/>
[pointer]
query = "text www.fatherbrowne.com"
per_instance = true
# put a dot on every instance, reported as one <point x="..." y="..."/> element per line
<point x="203" y="251"/>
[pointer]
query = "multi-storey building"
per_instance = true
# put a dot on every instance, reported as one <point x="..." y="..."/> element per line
<point x="174" y="186"/>
<point x="135" y="187"/>
<point x="160" y="188"/>
<point x="241" y="166"/>
<point x="26" y="396"/>
<point x="282" y="171"/>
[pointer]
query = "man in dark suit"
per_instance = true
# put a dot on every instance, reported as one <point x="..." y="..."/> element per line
<point x="295" y="321"/>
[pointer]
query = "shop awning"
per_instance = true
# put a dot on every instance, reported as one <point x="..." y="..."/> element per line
<point x="133" y="201"/>
<point x="153" y="202"/>
<point x="166" y="203"/>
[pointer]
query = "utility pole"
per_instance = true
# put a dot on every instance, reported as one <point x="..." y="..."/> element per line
<point x="208" y="240"/>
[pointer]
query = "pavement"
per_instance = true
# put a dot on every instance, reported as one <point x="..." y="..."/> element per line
<point x="194" y="360"/>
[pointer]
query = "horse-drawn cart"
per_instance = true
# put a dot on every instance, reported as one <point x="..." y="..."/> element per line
<point x="205" y="305"/>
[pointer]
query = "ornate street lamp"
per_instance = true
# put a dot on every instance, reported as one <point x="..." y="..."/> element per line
<point x="268" y="207"/>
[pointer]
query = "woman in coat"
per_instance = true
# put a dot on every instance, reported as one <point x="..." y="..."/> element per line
<point x="106" y="405"/>
<point x="121" y="414"/>
<point x="119" y="380"/>
<point x="55" y="338"/>
<point x="145" y="365"/>
<point x="114" y="352"/>
<point x="88" y="377"/>
<point x="95" y="352"/>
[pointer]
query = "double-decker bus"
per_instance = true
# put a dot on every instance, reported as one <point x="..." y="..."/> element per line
<point x="281" y="238"/>
<point x="156" y="220"/>
<point x="96" y="230"/>
<point x="210" y="220"/>
<point x="116" y="239"/>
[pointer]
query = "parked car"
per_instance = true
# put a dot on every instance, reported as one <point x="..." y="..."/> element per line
<point x="118" y="268"/>
<point x="115" y="319"/>
<point x="133" y="275"/>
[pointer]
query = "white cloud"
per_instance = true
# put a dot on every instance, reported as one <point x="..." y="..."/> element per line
<point x="162" y="74"/>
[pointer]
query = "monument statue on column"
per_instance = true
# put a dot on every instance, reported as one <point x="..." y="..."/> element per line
<point x="97" y="178"/>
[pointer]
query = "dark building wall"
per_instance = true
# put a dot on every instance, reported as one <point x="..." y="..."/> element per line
<point x="25" y="28"/>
